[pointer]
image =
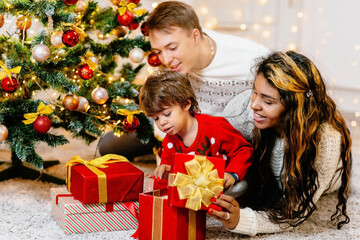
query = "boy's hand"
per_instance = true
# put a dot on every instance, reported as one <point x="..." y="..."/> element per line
<point x="161" y="169"/>
<point x="228" y="180"/>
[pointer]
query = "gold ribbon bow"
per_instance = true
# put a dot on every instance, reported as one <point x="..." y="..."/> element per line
<point x="77" y="29"/>
<point x="93" y="166"/>
<point x="7" y="71"/>
<point x="200" y="185"/>
<point x="42" y="109"/>
<point x="130" y="6"/>
<point x="90" y="62"/>
<point x="129" y="114"/>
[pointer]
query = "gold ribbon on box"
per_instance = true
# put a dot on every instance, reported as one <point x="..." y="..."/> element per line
<point x="93" y="165"/>
<point x="42" y="109"/>
<point x="7" y="71"/>
<point x="157" y="219"/>
<point x="200" y="184"/>
<point x="129" y="114"/>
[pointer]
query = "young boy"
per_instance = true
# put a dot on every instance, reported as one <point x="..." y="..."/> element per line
<point x="168" y="98"/>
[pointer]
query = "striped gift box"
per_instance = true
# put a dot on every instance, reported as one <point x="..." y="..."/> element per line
<point x="76" y="217"/>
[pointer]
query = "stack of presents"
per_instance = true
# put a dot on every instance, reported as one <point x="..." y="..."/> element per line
<point x="109" y="194"/>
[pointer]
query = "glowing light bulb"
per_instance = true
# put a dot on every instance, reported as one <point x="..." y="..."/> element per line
<point x="238" y="14"/>
<point x="356" y="101"/>
<point x="291" y="46"/>
<point x="263" y="2"/>
<point x="268" y="19"/>
<point x="256" y="26"/>
<point x="300" y="14"/>
<point x="154" y="4"/>
<point x="294" y="28"/>
<point x="266" y="34"/>
<point x="243" y="27"/>
<point x="357" y="114"/>
<point x="204" y="10"/>
<point x="353" y="123"/>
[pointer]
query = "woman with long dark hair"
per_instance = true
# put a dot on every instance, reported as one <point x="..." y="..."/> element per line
<point x="302" y="149"/>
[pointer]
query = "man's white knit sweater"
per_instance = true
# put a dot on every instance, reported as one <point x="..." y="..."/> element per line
<point x="252" y="222"/>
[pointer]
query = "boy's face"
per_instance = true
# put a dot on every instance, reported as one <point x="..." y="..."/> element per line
<point x="177" y="49"/>
<point x="172" y="120"/>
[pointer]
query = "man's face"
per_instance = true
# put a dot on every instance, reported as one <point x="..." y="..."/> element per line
<point x="177" y="49"/>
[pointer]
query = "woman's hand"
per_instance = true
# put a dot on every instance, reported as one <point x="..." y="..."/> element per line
<point x="231" y="216"/>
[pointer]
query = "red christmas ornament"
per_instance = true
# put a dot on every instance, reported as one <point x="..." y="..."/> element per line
<point x="143" y="29"/>
<point x="131" y="127"/>
<point x="70" y="2"/>
<point x="8" y="85"/>
<point x="153" y="59"/>
<point x="85" y="71"/>
<point x="126" y="19"/>
<point x="134" y="1"/>
<point x="70" y="38"/>
<point x="133" y="26"/>
<point x="42" y="124"/>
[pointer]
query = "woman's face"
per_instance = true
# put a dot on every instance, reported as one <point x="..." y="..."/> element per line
<point x="266" y="103"/>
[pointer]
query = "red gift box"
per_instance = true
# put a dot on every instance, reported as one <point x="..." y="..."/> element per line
<point x="76" y="217"/>
<point x="120" y="181"/>
<point x="159" y="221"/>
<point x="204" y="176"/>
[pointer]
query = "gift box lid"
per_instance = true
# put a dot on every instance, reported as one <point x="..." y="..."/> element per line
<point x="63" y="198"/>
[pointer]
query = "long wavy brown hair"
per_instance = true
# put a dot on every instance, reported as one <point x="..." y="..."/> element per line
<point x="307" y="106"/>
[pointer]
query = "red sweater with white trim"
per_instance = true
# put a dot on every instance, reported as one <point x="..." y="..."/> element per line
<point x="215" y="138"/>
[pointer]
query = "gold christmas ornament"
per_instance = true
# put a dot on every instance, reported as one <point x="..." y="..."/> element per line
<point x="56" y="39"/>
<point x="23" y="23"/>
<point x="70" y="102"/>
<point x="99" y="95"/>
<point x="119" y="31"/>
<point x="3" y="132"/>
<point x="2" y="20"/>
<point x="83" y="105"/>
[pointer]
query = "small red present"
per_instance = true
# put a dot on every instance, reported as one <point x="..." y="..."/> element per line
<point x="157" y="220"/>
<point x="76" y="217"/>
<point x="194" y="180"/>
<point x="110" y="178"/>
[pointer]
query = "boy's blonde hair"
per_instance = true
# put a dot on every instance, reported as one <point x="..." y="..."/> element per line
<point x="164" y="89"/>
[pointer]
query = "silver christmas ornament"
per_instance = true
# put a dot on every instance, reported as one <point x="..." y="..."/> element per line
<point x="41" y="52"/>
<point x="3" y="132"/>
<point x="56" y="39"/>
<point x="136" y="55"/>
<point x="99" y="95"/>
<point x="83" y="105"/>
<point x="81" y="6"/>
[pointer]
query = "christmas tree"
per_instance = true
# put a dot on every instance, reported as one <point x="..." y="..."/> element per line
<point x="65" y="57"/>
